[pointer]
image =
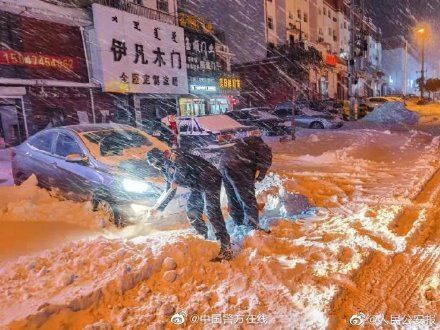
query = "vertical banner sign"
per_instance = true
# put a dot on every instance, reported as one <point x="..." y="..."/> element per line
<point x="139" y="55"/>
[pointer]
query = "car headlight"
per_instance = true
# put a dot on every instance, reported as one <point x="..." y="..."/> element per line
<point x="135" y="186"/>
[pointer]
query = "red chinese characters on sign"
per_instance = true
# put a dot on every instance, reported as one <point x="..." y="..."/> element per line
<point x="331" y="60"/>
<point x="12" y="57"/>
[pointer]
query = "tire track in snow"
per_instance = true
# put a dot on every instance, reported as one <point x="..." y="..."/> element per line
<point x="389" y="285"/>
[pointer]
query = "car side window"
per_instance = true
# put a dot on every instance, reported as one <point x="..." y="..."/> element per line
<point x="243" y="114"/>
<point x="282" y="112"/>
<point x="43" y="141"/>
<point x="66" y="145"/>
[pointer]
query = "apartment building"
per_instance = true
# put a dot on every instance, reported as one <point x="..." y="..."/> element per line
<point x="252" y="28"/>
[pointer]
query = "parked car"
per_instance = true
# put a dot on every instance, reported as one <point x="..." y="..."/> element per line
<point x="159" y="130"/>
<point x="103" y="163"/>
<point x="261" y="118"/>
<point x="209" y="133"/>
<point x="304" y="117"/>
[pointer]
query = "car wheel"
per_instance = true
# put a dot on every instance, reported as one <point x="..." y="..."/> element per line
<point x="19" y="178"/>
<point x="108" y="211"/>
<point x="317" y="125"/>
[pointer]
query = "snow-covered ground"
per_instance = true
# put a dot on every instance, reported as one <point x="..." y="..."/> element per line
<point x="331" y="201"/>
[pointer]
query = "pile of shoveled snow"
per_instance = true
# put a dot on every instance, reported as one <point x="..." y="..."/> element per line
<point x="392" y="113"/>
<point x="28" y="202"/>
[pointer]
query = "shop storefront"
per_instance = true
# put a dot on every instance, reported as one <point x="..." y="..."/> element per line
<point x="145" y="67"/>
<point x="43" y="78"/>
<point x="211" y="89"/>
<point x="13" y="128"/>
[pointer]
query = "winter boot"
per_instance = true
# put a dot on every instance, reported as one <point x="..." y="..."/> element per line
<point x="257" y="227"/>
<point x="225" y="253"/>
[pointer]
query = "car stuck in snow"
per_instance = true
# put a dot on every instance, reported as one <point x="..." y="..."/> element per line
<point x="103" y="163"/>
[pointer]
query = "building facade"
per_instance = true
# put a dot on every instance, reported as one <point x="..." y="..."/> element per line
<point x="44" y="78"/>
<point x="321" y="24"/>
<point x="212" y="87"/>
<point x="63" y="65"/>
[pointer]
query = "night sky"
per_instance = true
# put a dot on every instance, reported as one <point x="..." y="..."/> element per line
<point x="398" y="17"/>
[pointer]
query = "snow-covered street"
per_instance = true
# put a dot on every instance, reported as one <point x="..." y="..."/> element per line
<point x="342" y="205"/>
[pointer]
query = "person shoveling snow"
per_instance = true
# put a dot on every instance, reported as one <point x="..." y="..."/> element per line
<point x="392" y="113"/>
<point x="204" y="182"/>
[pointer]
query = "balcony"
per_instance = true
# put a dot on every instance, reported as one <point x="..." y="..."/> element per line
<point x="133" y="8"/>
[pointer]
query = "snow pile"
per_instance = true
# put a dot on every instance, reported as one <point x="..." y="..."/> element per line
<point x="392" y="113"/>
<point x="140" y="279"/>
<point x="28" y="202"/>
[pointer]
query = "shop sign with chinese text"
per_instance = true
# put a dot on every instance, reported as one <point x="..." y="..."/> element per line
<point x="230" y="83"/>
<point x="139" y="55"/>
<point x="200" y="53"/>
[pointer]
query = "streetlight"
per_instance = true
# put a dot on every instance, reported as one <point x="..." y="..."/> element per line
<point x="422" y="33"/>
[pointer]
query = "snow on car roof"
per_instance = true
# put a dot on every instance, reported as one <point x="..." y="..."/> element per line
<point x="217" y="123"/>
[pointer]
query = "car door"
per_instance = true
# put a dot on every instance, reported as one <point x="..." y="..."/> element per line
<point x="301" y="119"/>
<point x="74" y="179"/>
<point x="40" y="158"/>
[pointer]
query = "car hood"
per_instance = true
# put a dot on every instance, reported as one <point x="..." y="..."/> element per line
<point x="135" y="169"/>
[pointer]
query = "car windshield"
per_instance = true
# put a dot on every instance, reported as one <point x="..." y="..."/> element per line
<point x="113" y="146"/>
<point x="261" y="113"/>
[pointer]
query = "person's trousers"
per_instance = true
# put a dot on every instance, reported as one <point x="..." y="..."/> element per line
<point x="208" y="199"/>
<point x="240" y="189"/>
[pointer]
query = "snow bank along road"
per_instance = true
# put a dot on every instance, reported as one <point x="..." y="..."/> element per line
<point x="365" y="242"/>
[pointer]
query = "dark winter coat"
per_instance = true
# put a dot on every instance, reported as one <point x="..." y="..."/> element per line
<point x="251" y="153"/>
<point x="190" y="171"/>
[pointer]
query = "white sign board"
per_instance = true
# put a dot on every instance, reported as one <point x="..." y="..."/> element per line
<point x="137" y="54"/>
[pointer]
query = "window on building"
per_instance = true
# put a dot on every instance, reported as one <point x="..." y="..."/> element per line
<point x="320" y="31"/>
<point x="329" y="31"/>
<point x="162" y="5"/>
<point x="325" y="11"/>
<point x="139" y="2"/>
<point x="299" y="13"/>
<point x="290" y="15"/>
<point x="329" y="14"/>
<point x="306" y="17"/>
<point x="291" y="39"/>
<point x="345" y="25"/>
<point x="270" y="23"/>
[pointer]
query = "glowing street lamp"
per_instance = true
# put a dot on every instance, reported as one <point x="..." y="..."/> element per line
<point x="422" y="33"/>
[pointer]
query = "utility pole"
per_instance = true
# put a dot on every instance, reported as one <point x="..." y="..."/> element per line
<point x="405" y="70"/>
<point x="422" y="87"/>
<point x="351" y="61"/>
